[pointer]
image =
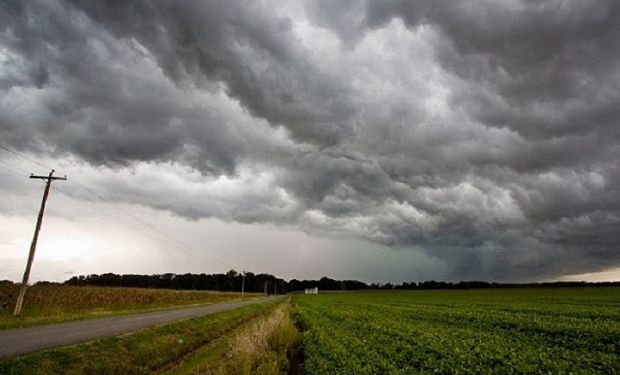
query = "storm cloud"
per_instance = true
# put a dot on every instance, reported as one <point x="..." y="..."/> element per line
<point x="484" y="133"/>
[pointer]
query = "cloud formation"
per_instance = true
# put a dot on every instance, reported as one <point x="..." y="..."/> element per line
<point x="484" y="133"/>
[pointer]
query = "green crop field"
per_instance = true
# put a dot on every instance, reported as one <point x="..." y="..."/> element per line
<point x="499" y="331"/>
<point x="493" y="331"/>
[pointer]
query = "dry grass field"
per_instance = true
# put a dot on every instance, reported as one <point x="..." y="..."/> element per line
<point x="55" y="303"/>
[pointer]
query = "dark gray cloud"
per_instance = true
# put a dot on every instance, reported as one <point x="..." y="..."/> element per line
<point x="243" y="45"/>
<point x="485" y="133"/>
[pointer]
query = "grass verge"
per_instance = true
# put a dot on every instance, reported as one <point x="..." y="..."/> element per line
<point x="266" y="345"/>
<point x="145" y="352"/>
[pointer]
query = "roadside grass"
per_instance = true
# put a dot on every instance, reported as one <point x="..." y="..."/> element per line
<point x="264" y="346"/>
<point x="144" y="352"/>
<point x="46" y="304"/>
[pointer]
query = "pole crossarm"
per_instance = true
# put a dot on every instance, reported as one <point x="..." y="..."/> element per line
<point x="48" y="178"/>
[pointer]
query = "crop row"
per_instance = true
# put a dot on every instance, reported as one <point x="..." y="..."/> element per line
<point x="413" y="332"/>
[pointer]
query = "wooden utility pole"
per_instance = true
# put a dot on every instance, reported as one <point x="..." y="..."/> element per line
<point x="242" y="284"/>
<point x="22" y="291"/>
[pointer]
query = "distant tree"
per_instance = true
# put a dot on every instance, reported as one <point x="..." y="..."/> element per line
<point x="231" y="281"/>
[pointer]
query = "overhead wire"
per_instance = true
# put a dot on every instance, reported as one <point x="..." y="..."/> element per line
<point x="163" y="234"/>
<point x="10" y="169"/>
<point x="25" y="157"/>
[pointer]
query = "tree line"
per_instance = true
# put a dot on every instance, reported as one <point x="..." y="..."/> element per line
<point x="225" y="282"/>
<point x="266" y="283"/>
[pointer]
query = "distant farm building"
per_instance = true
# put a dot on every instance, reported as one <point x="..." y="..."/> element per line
<point x="314" y="290"/>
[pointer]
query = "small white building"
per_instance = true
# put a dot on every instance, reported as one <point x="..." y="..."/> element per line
<point x="314" y="290"/>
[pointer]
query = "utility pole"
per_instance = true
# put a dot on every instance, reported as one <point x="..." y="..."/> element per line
<point x="33" y="246"/>
<point x="242" y="284"/>
<point x="265" y="287"/>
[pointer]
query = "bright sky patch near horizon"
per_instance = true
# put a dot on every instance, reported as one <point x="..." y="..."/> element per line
<point x="373" y="140"/>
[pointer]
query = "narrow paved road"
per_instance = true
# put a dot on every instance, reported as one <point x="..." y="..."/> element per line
<point x="26" y="340"/>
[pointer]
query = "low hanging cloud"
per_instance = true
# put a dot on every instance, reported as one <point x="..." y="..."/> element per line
<point x="483" y="133"/>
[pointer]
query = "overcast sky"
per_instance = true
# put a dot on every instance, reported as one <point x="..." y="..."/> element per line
<point x="375" y="140"/>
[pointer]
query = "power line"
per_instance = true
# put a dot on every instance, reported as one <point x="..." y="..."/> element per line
<point x="25" y="157"/>
<point x="194" y="253"/>
<point x="171" y="239"/>
<point x="187" y="249"/>
<point x="11" y="170"/>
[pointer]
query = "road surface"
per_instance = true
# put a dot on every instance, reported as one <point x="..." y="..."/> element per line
<point x="26" y="340"/>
